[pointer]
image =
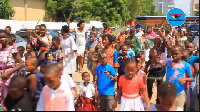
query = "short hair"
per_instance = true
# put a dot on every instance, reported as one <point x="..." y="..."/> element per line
<point x="178" y="47"/>
<point x="42" y="25"/>
<point x="37" y="26"/>
<point x="18" y="81"/>
<point x="131" y="60"/>
<point x="51" y="68"/>
<point x="4" y="31"/>
<point x="167" y="89"/>
<point x="83" y="74"/>
<point x="29" y="44"/>
<point x="101" y="54"/>
<point x="80" y="22"/>
<point x="8" y="27"/>
<point x="124" y="45"/>
<point x="34" y="61"/>
<point x="65" y="28"/>
<point x="21" y="48"/>
<point x="110" y="38"/>
<point x="57" y="39"/>
<point x="128" y="41"/>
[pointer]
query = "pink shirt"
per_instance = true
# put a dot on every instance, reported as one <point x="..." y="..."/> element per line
<point x="152" y="34"/>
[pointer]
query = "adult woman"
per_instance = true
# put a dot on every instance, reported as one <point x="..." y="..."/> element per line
<point x="9" y="56"/>
<point x="68" y="48"/>
<point x="81" y="39"/>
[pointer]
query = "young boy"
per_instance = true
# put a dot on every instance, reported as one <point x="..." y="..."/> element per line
<point x="35" y="78"/>
<point x="54" y="96"/>
<point x="21" y="50"/>
<point x="18" y="99"/>
<point x="106" y="77"/>
<point x="130" y="52"/>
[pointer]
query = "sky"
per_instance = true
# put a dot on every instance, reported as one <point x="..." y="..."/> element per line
<point x="184" y="5"/>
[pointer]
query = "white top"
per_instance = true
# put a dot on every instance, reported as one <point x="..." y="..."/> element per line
<point x="153" y="108"/>
<point x="146" y="53"/>
<point x="70" y="103"/>
<point x="68" y="81"/>
<point x="139" y="34"/>
<point x="80" y="38"/>
<point x="47" y="39"/>
<point x="89" y="90"/>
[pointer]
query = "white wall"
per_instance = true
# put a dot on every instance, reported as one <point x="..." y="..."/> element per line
<point x="17" y="25"/>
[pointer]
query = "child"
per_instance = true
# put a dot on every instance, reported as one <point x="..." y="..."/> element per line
<point x="167" y="93"/>
<point x="122" y="58"/>
<point x="130" y="85"/>
<point x="29" y="50"/>
<point x="54" y="54"/>
<point x="90" y="49"/>
<point x="86" y="93"/>
<point x="9" y="57"/>
<point x="111" y="52"/>
<point x="130" y="52"/>
<point x="54" y="96"/>
<point x="35" y="79"/>
<point x="106" y="77"/>
<point x="193" y="61"/>
<point x="18" y="99"/>
<point x="135" y="45"/>
<point x="175" y="73"/>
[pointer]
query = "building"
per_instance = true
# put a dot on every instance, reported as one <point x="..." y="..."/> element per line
<point x="164" y="5"/>
<point x="194" y="6"/>
<point x="29" y="10"/>
<point x="161" y="20"/>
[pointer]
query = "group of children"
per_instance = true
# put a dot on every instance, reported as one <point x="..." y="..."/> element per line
<point x="25" y="87"/>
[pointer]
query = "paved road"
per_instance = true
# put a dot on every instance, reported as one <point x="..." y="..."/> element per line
<point x="77" y="79"/>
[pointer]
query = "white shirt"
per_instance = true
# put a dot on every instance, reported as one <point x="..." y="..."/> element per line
<point x="89" y="90"/>
<point x="70" y="102"/>
<point x="69" y="83"/>
<point x="153" y="108"/>
<point x="146" y="53"/>
<point x="139" y="34"/>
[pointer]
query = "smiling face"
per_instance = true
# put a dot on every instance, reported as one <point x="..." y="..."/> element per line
<point x="42" y="31"/>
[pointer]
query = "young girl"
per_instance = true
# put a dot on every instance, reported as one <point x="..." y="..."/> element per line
<point x="8" y="58"/>
<point x="29" y="50"/>
<point x="167" y="93"/>
<point x="55" y="55"/>
<point x="90" y="49"/>
<point x="111" y="52"/>
<point x="55" y="96"/>
<point x="86" y="93"/>
<point x="175" y="73"/>
<point x="130" y="85"/>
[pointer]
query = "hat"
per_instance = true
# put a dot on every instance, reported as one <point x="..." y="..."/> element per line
<point x="138" y="26"/>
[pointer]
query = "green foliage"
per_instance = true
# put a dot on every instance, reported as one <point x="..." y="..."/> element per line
<point x="6" y="11"/>
<point x="197" y="12"/>
<point x="113" y="12"/>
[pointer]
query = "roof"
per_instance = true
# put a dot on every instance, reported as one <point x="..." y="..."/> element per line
<point x="160" y="17"/>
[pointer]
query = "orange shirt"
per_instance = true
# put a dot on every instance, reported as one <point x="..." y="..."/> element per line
<point x="131" y="87"/>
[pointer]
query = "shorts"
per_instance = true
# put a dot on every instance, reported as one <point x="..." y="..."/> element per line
<point x="106" y="102"/>
<point x="180" y="100"/>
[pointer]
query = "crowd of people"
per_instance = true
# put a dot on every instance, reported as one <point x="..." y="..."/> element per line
<point x="39" y="77"/>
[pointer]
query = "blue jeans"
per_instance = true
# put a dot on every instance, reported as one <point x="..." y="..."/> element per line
<point x="193" y="94"/>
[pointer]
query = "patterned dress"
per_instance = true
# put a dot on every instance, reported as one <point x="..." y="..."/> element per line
<point x="7" y="62"/>
<point x="136" y="43"/>
<point x="55" y="56"/>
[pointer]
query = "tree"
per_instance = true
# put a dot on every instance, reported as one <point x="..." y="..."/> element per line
<point x="197" y="12"/>
<point x="111" y="11"/>
<point x="6" y="11"/>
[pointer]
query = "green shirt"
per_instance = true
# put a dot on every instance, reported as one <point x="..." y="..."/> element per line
<point x="136" y="43"/>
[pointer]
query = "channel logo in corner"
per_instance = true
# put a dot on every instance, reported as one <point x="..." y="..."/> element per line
<point x="175" y="17"/>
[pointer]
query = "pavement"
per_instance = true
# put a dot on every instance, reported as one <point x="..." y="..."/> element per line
<point x="77" y="79"/>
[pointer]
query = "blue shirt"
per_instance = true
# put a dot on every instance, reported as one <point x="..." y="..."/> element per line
<point x="105" y="84"/>
<point x="191" y="60"/>
<point x="176" y="72"/>
<point x="40" y="84"/>
<point x="130" y="53"/>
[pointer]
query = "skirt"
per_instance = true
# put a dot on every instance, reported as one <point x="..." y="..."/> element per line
<point x="131" y="104"/>
<point x="87" y="104"/>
